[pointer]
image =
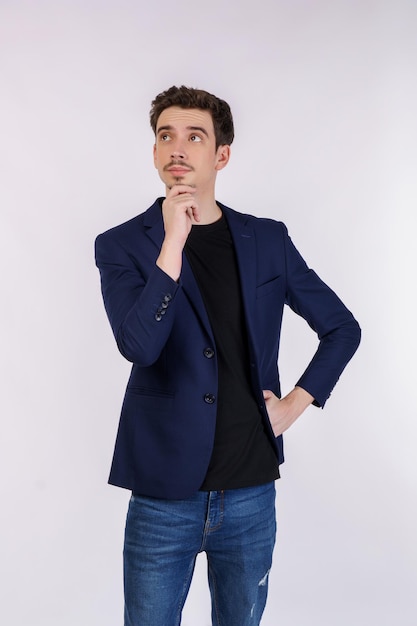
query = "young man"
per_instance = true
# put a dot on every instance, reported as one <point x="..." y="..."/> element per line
<point x="194" y="292"/>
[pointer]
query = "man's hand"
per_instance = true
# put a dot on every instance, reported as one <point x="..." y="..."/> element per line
<point x="179" y="209"/>
<point x="282" y="413"/>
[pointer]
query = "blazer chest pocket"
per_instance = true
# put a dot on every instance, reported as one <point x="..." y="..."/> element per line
<point x="270" y="287"/>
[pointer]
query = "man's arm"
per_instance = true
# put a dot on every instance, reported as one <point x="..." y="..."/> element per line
<point x="139" y="292"/>
<point x="338" y="332"/>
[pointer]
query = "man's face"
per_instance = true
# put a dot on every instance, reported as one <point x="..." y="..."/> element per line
<point x="185" y="149"/>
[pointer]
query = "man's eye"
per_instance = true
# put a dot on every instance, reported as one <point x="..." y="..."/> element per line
<point x="195" y="138"/>
<point x="164" y="137"/>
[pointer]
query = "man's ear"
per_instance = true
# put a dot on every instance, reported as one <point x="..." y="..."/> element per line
<point x="154" y="155"/>
<point x="222" y="157"/>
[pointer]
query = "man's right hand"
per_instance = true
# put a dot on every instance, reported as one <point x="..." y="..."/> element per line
<point x="179" y="211"/>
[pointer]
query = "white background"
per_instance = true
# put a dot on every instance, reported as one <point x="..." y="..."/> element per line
<point x="325" y="105"/>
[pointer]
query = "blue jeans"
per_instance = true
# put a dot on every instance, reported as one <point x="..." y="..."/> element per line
<point x="235" y="528"/>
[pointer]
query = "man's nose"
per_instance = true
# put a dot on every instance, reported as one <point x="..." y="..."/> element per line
<point x="178" y="151"/>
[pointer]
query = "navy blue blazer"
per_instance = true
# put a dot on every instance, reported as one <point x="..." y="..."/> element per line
<point x="166" y="430"/>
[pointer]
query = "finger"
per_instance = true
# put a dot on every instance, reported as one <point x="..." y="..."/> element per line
<point x="178" y="189"/>
<point x="195" y="213"/>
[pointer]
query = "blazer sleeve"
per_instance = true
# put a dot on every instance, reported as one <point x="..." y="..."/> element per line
<point x="338" y="332"/>
<point x="139" y="300"/>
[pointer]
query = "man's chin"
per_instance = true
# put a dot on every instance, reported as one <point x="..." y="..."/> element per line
<point x="177" y="180"/>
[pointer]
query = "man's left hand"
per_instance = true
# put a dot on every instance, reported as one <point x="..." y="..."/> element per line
<point x="283" y="412"/>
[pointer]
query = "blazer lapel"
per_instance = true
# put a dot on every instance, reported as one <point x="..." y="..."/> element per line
<point x="153" y="223"/>
<point x="192" y="292"/>
<point x="245" y="247"/>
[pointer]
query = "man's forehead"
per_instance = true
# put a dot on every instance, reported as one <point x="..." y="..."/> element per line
<point x="183" y="118"/>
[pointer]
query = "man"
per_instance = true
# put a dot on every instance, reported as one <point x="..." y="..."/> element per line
<point x="194" y="292"/>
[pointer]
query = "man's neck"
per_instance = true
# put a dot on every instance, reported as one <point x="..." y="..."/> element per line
<point x="208" y="214"/>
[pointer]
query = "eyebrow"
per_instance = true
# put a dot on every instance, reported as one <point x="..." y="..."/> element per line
<point x="195" y="128"/>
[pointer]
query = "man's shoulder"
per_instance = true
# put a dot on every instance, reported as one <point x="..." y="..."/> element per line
<point x="258" y="223"/>
<point x="135" y="224"/>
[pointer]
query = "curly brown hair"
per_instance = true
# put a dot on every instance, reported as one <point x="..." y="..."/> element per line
<point x="191" y="98"/>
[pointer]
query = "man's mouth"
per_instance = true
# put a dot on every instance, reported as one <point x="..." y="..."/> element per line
<point x="178" y="169"/>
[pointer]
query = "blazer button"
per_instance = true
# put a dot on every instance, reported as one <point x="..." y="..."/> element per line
<point x="209" y="398"/>
<point x="208" y="353"/>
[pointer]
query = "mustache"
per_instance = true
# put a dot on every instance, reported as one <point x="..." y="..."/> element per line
<point x="180" y="163"/>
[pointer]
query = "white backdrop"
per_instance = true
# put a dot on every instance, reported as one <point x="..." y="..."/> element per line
<point x="324" y="98"/>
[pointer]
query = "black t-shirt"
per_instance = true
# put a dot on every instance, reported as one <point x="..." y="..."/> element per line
<point x="243" y="455"/>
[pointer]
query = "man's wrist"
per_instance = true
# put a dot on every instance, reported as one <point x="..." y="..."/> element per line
<point x="170" y="259"/>
<point x="298" y="400"/>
